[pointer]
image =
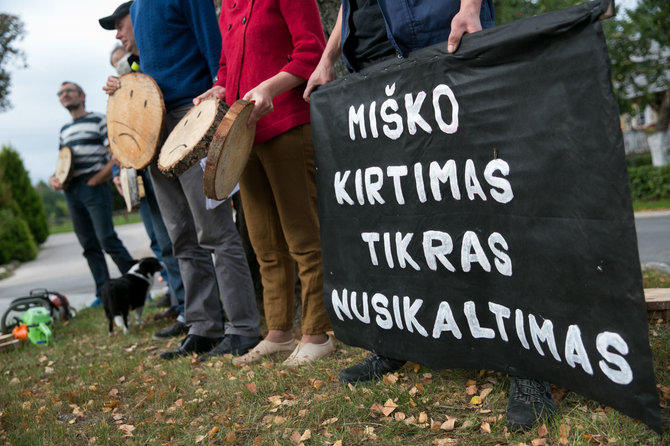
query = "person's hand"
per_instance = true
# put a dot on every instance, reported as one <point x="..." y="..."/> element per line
<point x="55" y="183"/>
<point x="262" y="99"/>
<point x="466" y="21"/>
<point x="117" y="183"/>
<point x="216" y="91"/>
<point x="323" y="73"/>
<point x="94" y="181"/>
<point x="113" y="84"/>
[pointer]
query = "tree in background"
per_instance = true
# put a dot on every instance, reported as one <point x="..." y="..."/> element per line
<point x="16" y="241"/>
<point x="639" y="48"/>
<point x="11" y="31"/>
<point x="55" y="204"/>
<point x="31" y="208"/>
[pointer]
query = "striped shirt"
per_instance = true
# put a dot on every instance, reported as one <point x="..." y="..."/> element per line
<point x="87" y="137"/>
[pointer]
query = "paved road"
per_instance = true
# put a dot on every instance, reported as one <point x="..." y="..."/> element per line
<point x="61" y="267"/>
<point x="653" y="237"/>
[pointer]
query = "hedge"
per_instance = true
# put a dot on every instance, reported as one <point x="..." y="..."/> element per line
<point x="16" y="240"/>
<point x="649" y="183"/>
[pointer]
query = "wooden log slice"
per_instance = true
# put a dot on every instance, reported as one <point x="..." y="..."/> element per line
<point x="130" y="188"/>
<point x="229" y="151"/>
<point x="64" y="165"/>
<point x="135" y="114"/>
<point x="189" y="140"/>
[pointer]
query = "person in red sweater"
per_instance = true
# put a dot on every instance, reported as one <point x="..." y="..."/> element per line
<point x="269" y="49"/>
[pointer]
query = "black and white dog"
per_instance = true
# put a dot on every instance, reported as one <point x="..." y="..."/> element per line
<point x="128" y="292"/>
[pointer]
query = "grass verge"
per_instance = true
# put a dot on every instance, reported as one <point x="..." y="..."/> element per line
<point x="658" y="205"/>
<point x="120" y="219"/>
<point x="88" y="388"/>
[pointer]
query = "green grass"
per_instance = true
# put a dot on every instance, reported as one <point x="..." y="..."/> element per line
<point x="88" y="388"/>
<point x="121" y="219"/>
<point x="651" y="205"/>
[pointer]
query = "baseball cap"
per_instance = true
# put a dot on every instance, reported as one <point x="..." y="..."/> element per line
<point x="120" y="12"/>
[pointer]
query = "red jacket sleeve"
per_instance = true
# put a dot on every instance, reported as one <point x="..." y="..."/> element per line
<point x="304" y="24"/>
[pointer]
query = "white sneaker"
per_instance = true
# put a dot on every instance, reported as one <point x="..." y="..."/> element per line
<point x="307" y="352"/>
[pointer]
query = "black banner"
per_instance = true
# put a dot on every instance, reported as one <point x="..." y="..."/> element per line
<point x="475" y="211"/>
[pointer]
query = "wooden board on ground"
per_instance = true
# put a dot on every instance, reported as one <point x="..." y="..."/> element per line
<point x="135" y="114"/>
<point x="7" y="341"/>
<point x="190" y="139"/>
<point x="229" y="151"/>
<point x="658" y="303"/>
<point x="64" y="165"/>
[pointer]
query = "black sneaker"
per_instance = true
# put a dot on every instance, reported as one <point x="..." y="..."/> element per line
<point x="174" y="331"/>
<point x="529" y="402"/>
<point x="234" y="344"/>
<point x="372" y="367"/>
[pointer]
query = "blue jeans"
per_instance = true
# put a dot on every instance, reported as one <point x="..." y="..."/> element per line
<point x="160" y="240"/>
<point x="91" y="212"/>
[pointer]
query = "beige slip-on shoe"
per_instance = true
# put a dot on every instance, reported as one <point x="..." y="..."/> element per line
<point x="264" y="348"/>
<point x="307" y="352"/>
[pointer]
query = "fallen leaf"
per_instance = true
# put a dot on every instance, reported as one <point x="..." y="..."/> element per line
<point x="423" y="417"/>
<point x="399" y="416"/>
<point x="445" y="441"/>
<point x="127" y="429"/>
<point x="199" y="438"/>
<point x="338" y="443"/>
<point x="471" y="390"/>
<point x="179" y="402"/>
<point x="390" y="378"/>
<point x="251" y="387"/>
<point x="295" y="437"/>
<point x="467" y="423"/>
<point x="539" y="442"/>
<point x="448" y="425"/>
<point x="485" y="392"/>
<point x="48" y="370"/>
<point x="329" y="421"/>
<point x="279" y="420"/>
<point x="389" y="407"/>
<point x="369" y="432"/>
<point x="213" y="431"/>
<point x="476" y="400"/>
<point x="486" y="427"/>
<point x="564" y="433"/>
<point x="113" y="392"/>
<point x="258" y="441"/>
<point x="317" y="384"/>
<point x="306" y="435"/>
<point x="542" y="431"/>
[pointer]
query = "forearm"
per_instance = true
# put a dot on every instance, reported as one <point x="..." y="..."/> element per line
<point x="333" y="49"/>
<point x="280" y="83"/>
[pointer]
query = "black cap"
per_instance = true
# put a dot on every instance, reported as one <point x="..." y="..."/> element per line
<point x="120" y="12"/>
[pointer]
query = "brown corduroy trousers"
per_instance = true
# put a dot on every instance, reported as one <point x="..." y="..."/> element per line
<point x="278" y="190"/>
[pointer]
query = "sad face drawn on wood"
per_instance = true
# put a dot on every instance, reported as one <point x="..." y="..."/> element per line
<point x="135" y="114"/>
<point x="189" y="140"/>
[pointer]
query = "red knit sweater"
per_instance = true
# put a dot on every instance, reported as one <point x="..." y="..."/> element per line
<point x="260" y="38"/>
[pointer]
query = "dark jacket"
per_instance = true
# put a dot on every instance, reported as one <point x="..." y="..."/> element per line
<point x="415" y="24"/>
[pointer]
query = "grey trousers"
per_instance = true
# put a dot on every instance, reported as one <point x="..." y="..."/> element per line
<point x="209" y="250"/>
